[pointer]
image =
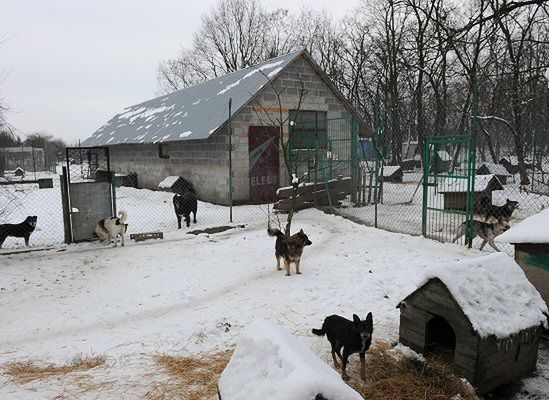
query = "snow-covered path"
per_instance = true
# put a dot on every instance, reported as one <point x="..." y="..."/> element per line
<point x="194" y="293"/>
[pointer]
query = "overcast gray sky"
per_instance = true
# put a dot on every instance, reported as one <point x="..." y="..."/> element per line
<point x="71" y="65"/>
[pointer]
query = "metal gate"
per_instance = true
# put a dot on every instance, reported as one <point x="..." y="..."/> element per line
<point x="88" y="191"/>
<point x="325" y="152"/>
<point x="448" y="188"/>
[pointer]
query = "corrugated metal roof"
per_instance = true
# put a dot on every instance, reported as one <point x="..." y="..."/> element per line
<point x="191" y="113"/>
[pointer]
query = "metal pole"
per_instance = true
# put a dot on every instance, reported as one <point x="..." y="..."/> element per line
<point x="65" y="204"/>
<point x="230" y="128"/>
<point x="376" y="155"/>
<point x="472" y="168"/>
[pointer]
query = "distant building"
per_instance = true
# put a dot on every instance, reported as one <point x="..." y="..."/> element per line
<point x="25" y="157"/>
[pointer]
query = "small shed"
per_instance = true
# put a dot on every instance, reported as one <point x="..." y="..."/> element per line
<point x="176" y="184"/>
<point x="409" y="164"/>
<point x="455" y="192"/>
<point x="19" y="172"/>
<point x="483" y="313"/>
<point x="392" y="173"/>
<point x="531" y="240"/>
<point x="498" y="170"/>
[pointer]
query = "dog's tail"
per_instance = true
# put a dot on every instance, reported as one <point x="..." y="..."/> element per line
<point x="319" y="332"/>
<point x="274" y="232"/>
<point x="123" y="216"/>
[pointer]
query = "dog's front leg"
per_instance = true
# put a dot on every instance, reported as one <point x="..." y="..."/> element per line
<point x="362" y="365"/>
<point x="336" y="364"/>
<point x="287" y="266"/>
<point x="122" y="236"/>
<point x="278" y="262"/>
<point x="297" y="270"/>
<point x="27" y="241"/>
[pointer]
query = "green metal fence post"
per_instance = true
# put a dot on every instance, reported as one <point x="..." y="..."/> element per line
<point x="65" y="206"/>
<point x="472" y="167"/>
<point x="376" y="158"/>
<point x="354" y="159"/>
<point x="230" y="129"/>
<point x="426" y="163"/>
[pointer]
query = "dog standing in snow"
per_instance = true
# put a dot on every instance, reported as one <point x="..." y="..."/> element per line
<point x="289" y="248"/>
<point x="109" y="229"/>
<point x="352" y="336"/>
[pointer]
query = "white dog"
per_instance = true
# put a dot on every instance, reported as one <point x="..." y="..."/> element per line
<point x="108" y="229"/>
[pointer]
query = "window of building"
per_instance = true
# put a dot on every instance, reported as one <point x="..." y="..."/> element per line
<point x="306" y="128"/>
<point x="163" y="150"/>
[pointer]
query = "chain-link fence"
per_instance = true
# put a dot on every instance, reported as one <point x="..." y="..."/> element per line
<point x="30" y="198"/>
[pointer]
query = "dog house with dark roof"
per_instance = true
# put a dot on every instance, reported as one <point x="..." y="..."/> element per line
<point x="483" y="313"/>
<point x="455" y="192"/>
<point x="498" y="170"/>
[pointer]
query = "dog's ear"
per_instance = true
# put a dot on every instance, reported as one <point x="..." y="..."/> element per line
<point x="301" y="231"/>
<point x="369" y="320"/>
<point x="356" y="320"/>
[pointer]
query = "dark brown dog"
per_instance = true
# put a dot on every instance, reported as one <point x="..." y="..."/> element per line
<point x="290" y="248"/>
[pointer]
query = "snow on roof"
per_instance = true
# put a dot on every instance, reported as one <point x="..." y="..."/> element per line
<point x="270" y="363"/>
<point x="444" y="156"/>
<point x="168" y="182"/>
<point x="494" y="294"/>
<point x="496" y="169"/>
<point x="389" y="170"/>
<point x="534" y="229"/>
<point x="191" y="113"/>
<point x="458" y="185"/>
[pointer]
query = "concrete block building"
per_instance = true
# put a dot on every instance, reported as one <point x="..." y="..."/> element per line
<point x="186" y="133"/>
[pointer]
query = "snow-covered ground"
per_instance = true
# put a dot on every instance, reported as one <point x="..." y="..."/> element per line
<point x="193" y="294"/>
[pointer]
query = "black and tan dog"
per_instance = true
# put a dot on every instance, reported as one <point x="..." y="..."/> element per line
<point x="500" y="213"/>
<point x="290" y="248"/>
<point x="22" y="230"/>
<point x="353" y="336"/>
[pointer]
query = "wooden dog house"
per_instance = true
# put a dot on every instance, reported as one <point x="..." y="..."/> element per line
<point x="498" y="170"/>
<point x="392" y="173"/>
<point x="483" y="313"/>
<point x="531" y="240"/>
<point x="455" y="192"/>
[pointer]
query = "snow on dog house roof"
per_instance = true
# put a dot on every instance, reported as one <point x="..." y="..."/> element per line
<point x="482" y="183"/>
<point x="191" y="113"/>
<point x="532" y="230"/>
<point x="495" y="169"/>
<point x="493" y="293"/>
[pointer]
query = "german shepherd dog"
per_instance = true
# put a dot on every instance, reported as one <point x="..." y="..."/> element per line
<point x="290" y="248"/>
<point x="22" y="230"/>
<point x="487" y="232"/>
<point x="109" y="229"/>
<point x="500" y="213"/>
<point x="353" y="336"/>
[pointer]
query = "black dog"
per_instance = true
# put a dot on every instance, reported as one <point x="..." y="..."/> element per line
<point x="501" y="213"/>
<point x="22" y="230"/>
<point x="354" y="336"/>
<point x="183" y="205"/>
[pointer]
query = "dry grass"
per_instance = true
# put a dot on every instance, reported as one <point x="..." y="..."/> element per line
<point x="23" y="372"/>
<point x="389" y="378"/>
<point x="191" y="378"/>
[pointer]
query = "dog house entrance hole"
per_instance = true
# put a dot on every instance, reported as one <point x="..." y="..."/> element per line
<point x="441" y="339"/>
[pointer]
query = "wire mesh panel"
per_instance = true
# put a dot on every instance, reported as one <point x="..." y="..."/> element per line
<point x="30" y="199"/>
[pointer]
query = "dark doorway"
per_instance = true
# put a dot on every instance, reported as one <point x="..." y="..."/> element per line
<point x="441" y="338"/>
<point x="264" y="163"/>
